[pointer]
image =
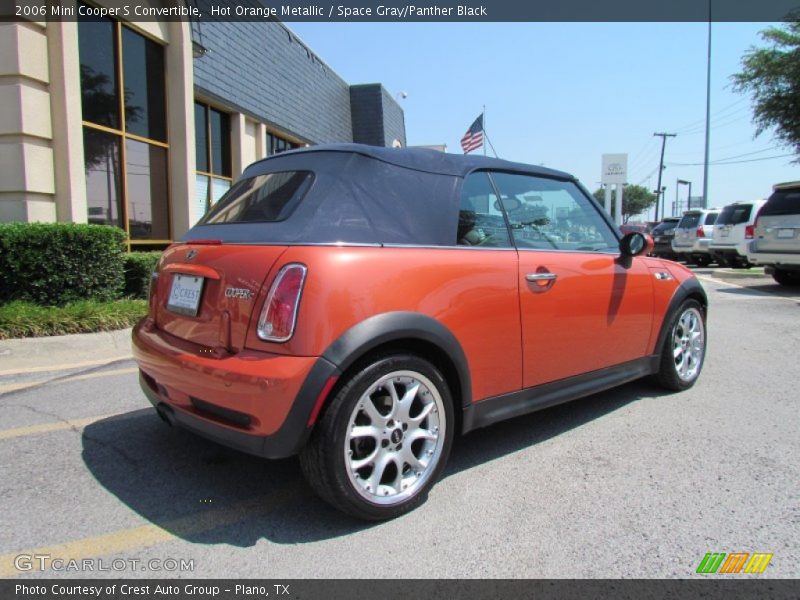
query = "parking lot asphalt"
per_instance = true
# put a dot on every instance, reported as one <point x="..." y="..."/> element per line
<point x="631" y="482"/>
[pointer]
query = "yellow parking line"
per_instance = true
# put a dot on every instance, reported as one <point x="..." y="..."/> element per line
<point x="144" y="536"/>
<point x="7" y="434"/>
<point x="12" y="387"/>
<point x="65" y="367"/>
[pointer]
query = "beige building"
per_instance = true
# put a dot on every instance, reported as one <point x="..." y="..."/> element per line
<point x="145" y="125"/>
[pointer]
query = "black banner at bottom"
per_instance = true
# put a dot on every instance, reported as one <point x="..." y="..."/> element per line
<point x="391" y="589"/>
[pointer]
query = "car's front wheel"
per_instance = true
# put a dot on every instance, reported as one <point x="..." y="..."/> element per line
<point x="684" y="349"/>
<point x="383" y="440"/>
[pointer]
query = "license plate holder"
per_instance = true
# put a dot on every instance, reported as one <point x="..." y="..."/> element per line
<point x="785" y="233"/>
<point x="185" y="293"/>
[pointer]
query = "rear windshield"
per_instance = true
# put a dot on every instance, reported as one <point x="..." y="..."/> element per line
<point x="782" y="202"/>
<point x="665" y="227"/>
<point x="264" y="198"/>
<point x="735" y="214"/>
<point x="711" y="218"/>
<point x="689" y="221"/>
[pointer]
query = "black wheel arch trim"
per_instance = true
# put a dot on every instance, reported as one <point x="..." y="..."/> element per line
<point x="689" y="288"/>
<point x="385" y="328"/>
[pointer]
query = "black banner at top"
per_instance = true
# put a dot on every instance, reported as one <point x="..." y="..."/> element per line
<point x="407" y="10"/>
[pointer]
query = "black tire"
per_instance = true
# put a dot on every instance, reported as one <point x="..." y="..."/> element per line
<point x="668" y="375"/>
<point x="702" y="261"/>
<point x="786" y="278"/>
<point x="330" y="472"/>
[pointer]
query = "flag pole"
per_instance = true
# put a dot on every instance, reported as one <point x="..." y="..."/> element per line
<point x="484" y="129"/>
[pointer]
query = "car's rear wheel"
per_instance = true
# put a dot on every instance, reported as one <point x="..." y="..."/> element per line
<point x="384" y="439"/>
<point x="702" y="261"/>
<point x="788" y="278"/>
<point x="684" y="350"/>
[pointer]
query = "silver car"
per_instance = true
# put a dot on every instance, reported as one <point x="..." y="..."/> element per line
<point x="776" y="240"/>
<point x="733" y="232"/>
<point x="693" y="236"/>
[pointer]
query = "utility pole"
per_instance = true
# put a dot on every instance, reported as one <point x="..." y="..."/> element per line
<point x="659" y="191"/>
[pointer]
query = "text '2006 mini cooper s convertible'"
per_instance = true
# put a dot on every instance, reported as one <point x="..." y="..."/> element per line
<point x="361" y="306"/>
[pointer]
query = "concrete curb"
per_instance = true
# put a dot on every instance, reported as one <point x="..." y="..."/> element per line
<point x="63" y="351"/>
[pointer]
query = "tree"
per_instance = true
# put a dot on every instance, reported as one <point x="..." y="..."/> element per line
<point x="635" y="199"/>
<point x="772" y="76"/>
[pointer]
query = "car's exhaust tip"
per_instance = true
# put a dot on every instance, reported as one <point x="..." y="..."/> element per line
<point x="166" y="413"/>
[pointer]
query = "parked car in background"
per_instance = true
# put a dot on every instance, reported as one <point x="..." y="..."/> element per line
<point x="361" y="306"/>
<point x="733" y="231"/>
<point x="776" y="236"/>
<point x="693" y="236"/>
<point x="662" y="234"/>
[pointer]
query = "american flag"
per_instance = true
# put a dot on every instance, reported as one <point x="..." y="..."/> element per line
<point x="474" y="137"/>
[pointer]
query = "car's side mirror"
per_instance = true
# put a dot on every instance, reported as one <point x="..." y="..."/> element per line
<point x="635" y="243"/>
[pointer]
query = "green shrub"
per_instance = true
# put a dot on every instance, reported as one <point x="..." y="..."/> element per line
<point x="57" y="263"/>
<point x="24" y="319"/>
<point x="139" y="267"/>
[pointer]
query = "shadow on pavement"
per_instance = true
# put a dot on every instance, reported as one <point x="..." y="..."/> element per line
<point x="761" y="290"/>
<point x="206" y="493"/>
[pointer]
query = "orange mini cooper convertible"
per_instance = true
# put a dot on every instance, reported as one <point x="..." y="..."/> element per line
<point x="360" y="306"/>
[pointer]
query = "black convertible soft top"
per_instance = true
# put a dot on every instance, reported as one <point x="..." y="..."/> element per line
<point x="367" y="195"/>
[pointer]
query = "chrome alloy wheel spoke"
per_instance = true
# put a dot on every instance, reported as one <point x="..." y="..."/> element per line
<point x="688" y="344"/>
<point x="395" y="437"/>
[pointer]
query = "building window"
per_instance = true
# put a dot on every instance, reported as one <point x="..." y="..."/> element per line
<point x="277" y="144"/>
<point x="125" y="142"/>
<point x="212" y="134"/>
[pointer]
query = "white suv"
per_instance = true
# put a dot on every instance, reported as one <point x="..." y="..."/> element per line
<point x="733" y="231"/>
<point x="776" y="240"/>
<point x="693" y="235"/>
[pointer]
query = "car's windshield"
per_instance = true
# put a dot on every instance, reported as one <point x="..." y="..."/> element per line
<point x="783" y="202"/>
<point x="735" y="214"/>
<point x="689" y="221"/>
<point x="665" y="226"/>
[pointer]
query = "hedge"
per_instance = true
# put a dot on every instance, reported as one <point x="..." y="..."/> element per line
<point x="139" y="267"/>
<point x="58" y="263"/>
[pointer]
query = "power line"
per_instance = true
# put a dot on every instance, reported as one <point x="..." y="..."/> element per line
<point x="674" y="164"/>
<point x="733" y="162"/>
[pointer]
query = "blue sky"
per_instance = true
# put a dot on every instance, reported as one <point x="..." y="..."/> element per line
<point x="562" y="94"/>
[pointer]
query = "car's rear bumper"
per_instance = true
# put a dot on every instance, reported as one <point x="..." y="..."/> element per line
<point x="253" y="401"/>
<point x="787" y="259"/>
<point x="700" y="246"/>
<point x="728" y="250"/>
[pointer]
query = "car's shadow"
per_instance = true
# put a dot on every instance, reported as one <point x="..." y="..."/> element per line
<point x="763" y="290"/>
<point x="206" y="493"/>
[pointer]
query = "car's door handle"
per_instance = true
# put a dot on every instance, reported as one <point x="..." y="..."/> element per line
<point x="541" y="277"/>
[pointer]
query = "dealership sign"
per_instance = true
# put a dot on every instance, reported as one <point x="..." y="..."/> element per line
<point x="615" y="168"/>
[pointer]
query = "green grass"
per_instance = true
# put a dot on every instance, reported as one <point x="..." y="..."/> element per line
<point x="25" y="319"/>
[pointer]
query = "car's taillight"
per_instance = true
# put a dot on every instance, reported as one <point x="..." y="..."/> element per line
<point x="700" y="232"/>
<point x="279" y="315"/>
<point x="749" y="232"/>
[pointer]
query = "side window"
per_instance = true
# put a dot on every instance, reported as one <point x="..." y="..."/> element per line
<point x="711" y="218"/>
<point x="480" y="218"/>
<point x="552" y="215"/>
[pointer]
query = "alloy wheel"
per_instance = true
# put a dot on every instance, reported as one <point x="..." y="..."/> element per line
<point x="395" y="437"/>
<point x="688" y="344"/>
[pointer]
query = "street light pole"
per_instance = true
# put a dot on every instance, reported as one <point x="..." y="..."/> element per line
<point x="708" y="111"/>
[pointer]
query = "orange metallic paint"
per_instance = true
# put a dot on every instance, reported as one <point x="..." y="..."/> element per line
<point x="471" y="292"/>
<point x="596" y="314"/>
<point x="514" y="333"/>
